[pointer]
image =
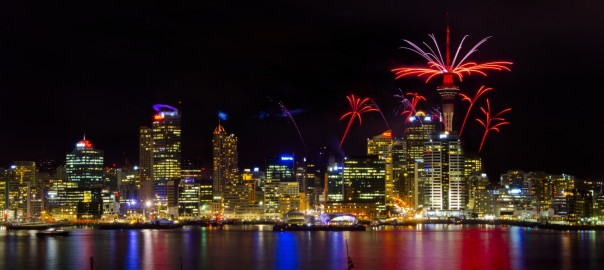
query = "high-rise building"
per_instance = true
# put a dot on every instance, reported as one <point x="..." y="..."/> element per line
<point x="381" y="146"/>
<point x="225" y="162"/>
<point x="84" y="165"/>
<point x="444" y="173"/>
<point x="364" y="180"/>
<point x="418" y="131"/>
<point x="145" y="151"/>
<point x="281" y="168"/>
<point x="166" y="141"/>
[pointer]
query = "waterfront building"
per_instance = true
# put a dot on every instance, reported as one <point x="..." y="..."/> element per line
<point x="417" y="132"/>
<point x="580" y="205"/>
<point x="335" y="187"/>
<point x="145" y="154"/>
<point x="189" y="199"/>
<point x="84" y="165"/>
<point x="513" y="179"/>
<point x="364" y="181"/>
<point x="381" y="146"/>
<point x="166" y="141"/>
<point x="271" y="199"/>
<point x="444" y="185"/>
<point x="225" y="162"/>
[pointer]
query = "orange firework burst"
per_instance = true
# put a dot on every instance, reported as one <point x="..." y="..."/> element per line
<point x="488" y="123"/>
<point x="479" y="93"/>
<point x="437" y="65"/>
<point x="357" y="107"/>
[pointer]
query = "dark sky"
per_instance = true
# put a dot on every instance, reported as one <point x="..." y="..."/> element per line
<point x="97" y="67"/>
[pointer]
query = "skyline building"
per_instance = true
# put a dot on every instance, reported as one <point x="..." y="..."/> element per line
<point x="166" y="141"/>
<point x="84" y="165"/>
<point x="381" y="146"/>
<point x="444" y="184"/>
<point x="364" y="181"/>
<point x="145" y="153"/>
<point x="225" y="162"/>
<point x="418" y="131"/>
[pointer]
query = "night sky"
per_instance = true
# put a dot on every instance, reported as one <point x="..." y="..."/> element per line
<point x="97" y="67"/>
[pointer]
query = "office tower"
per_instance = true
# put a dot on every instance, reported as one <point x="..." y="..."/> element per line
<point x="417" y="132"/>
<point x="145" y="153"/>
<point x="335" y="187"/>
<point x="381" y="146"/>
<point x="580" y="206"/>
<point x="281" y="168"/>
<point x="84" y="165"/>
<point x="225" y="162"/>
<point x="513" y="180"/>
<point x="364" y="181"/>
<point x="166" y="141"/>
<point x="443" y="172"/>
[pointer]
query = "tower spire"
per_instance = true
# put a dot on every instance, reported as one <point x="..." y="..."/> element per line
<point x="448" y="49"/>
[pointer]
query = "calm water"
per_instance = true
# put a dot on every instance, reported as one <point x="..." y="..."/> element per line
<point x="257" y="247"/>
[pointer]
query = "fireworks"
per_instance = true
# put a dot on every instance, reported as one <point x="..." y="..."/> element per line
<point x="488" y="123"/>
<point x="357" y="107"/>
<point x="479" y="93"/>
<point x="437" y="65"/>
<point x="288" y="114"/>
<point x="378" y="108"/>
<point x="411" y="105"/>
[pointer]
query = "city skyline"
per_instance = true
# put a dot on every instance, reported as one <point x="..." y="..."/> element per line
<point x="101" y="68"/>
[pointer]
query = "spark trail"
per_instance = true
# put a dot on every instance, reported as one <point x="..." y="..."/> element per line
<point x="288" y="114"/>
<point x="374" y="104"/>
<point x="488" y="123"/>
<point x="357" y="107"/>
<point x="478" y="94"/>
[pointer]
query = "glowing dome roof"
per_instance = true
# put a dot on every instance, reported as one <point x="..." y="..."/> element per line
<point x="219" y="129"/>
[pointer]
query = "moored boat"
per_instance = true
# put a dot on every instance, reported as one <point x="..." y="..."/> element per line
<point x="52" y="232"/>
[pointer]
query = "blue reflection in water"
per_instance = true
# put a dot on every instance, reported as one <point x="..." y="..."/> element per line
<point x="286" y="251"/>
<point x="133" y="260"/>
<point x="517" y="251"/>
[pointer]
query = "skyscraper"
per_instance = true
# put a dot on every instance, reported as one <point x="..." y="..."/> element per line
<point x="224" y="154"/>
<point x="381" y="146"/>
<point x="146" y="163"/>
<point x="418" y="131"/>
<point x="444" y="173"/>
<point x="165" y="138"/>
<point x="84" y="165"/>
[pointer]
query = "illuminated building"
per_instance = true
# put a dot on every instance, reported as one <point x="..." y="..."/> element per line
<point x="75" y="203"/>
<point x="84" y="165"/>
<point x="364" y="181"/>
<point x="417" y="132"/>
<point x="335" y="184"/>
<point x="166" y="141"/>
<point x="444" y="185"/>
<point x="474" y="178"/>
<point x="381" y="146"/>
<point x="145" y="153"/>
<point x="189" y="199"/>
<point x="271" y="199"/>
<point x="580" y="206"/>
<point x="281" y="168"/>
<point x="225" y="162"/>
<point x="513" y="179"/>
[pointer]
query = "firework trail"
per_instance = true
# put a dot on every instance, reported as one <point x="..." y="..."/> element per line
<point x="479" y="93"/>
<point x="437" y="65"/>
<point x="488" y="124"/>
<point x="411" y="105"/>
<point x="436" y="113"/>
<point x="357" y="107"/>
<point x="288" y="114"/>
<point x="374" y="104"/>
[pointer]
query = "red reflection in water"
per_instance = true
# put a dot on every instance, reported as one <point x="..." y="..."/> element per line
<point x="484" y="249"/>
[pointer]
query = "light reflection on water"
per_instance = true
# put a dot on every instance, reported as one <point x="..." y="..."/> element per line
<point x="241" y="247"/>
